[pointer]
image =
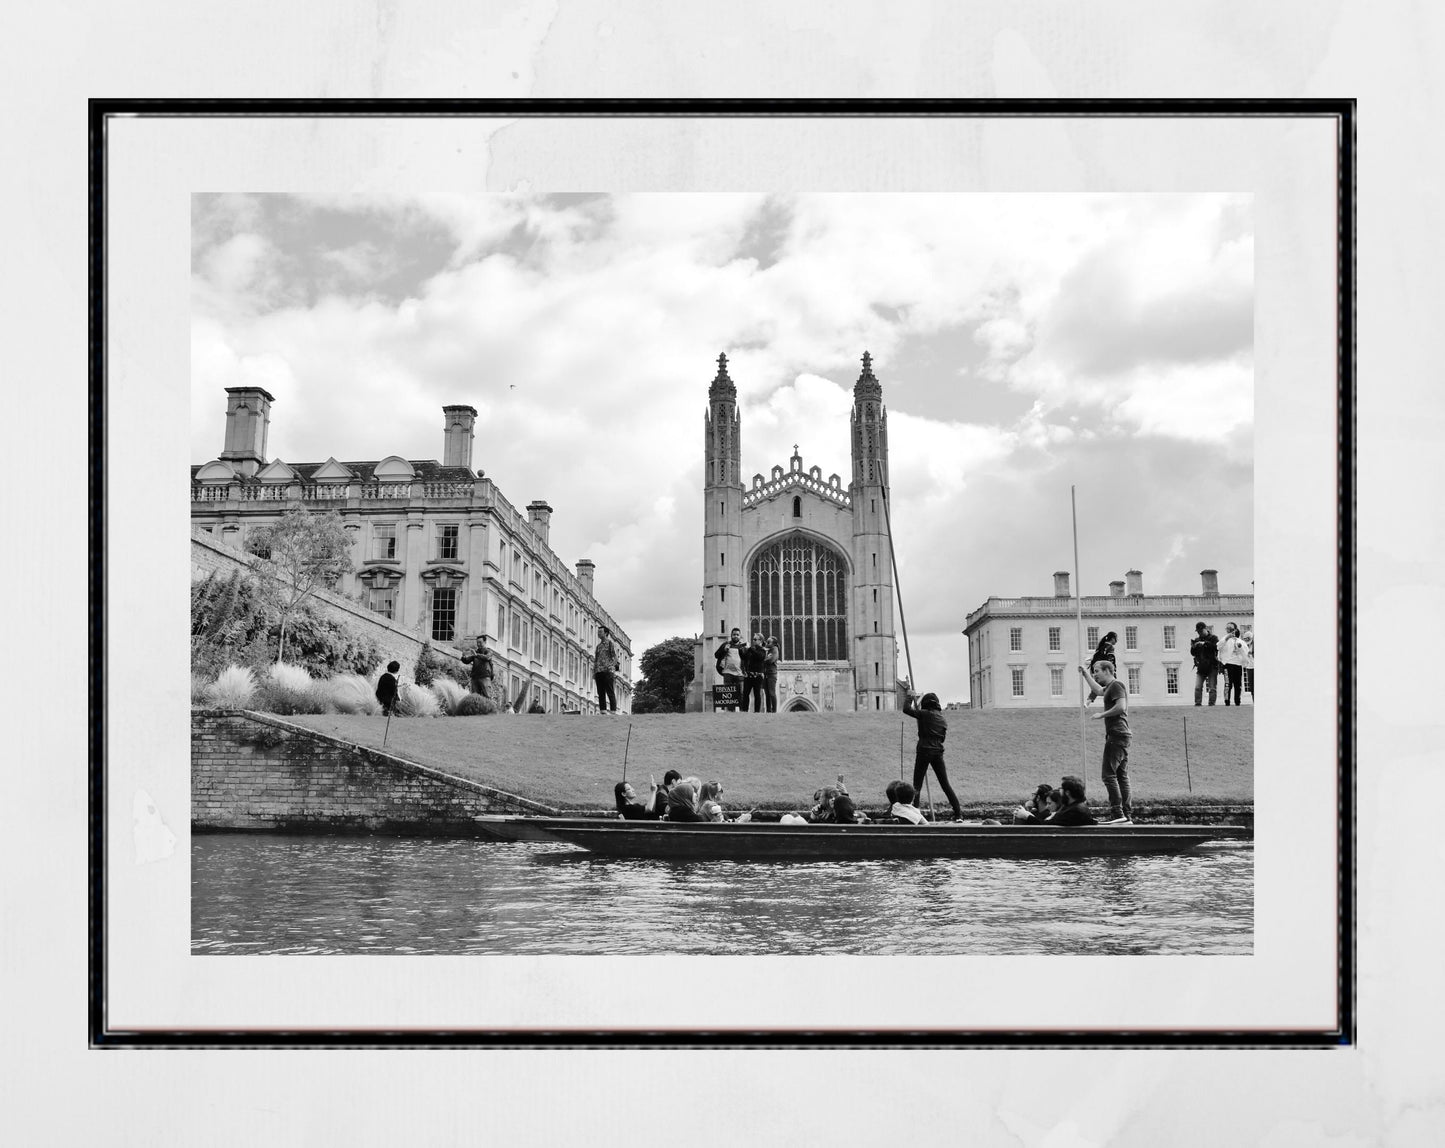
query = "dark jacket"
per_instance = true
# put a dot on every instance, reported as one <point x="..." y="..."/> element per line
<point x="932" y="728"/>
<point x="481" y="663"/>
<point x="754" y="660"/>
<point x="1075" y="814"/>
<point x="1205" y="651"/>
<point x="386" y="692"/>
<point x="635" y="811"/>
<point x="1104" y="653"/>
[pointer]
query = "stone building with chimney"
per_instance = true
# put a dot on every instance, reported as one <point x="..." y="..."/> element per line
<point x="435" y="547"/>
<point x="1022" y="652"/>
<point x="803" y="558"/>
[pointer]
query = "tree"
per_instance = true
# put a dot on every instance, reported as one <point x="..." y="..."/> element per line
<point x="300" y="554"/>
<point x="666" y="671"/>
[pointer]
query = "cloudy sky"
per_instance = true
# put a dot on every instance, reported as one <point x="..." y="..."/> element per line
<point x="1025" y="343"/>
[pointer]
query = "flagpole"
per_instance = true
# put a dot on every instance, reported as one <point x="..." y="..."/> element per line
<point x="1079" y="636"/>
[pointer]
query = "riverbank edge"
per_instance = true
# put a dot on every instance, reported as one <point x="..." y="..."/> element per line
<point x="257" y="772"/>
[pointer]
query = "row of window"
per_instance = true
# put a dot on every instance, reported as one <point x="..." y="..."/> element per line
<point x="1133" y="680"/>
<point x="1056" y="638"/>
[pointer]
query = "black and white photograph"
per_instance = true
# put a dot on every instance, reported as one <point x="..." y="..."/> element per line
<point x="722" y="574"/>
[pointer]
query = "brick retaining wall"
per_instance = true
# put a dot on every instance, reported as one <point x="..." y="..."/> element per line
<point x="259" y="772"/>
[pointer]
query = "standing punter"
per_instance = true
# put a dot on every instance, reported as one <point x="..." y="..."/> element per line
<point x="932" y="729"/>
<point x="1116" y="739"/>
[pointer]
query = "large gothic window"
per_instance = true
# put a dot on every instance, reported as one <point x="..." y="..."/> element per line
<point x="800" y="596"/>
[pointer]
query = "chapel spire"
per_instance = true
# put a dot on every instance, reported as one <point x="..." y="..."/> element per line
<point x="722" y="385"/>
<point x="867" y="386"/>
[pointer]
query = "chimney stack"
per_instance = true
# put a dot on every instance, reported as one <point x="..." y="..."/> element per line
<point x="539" y="514"/>
<point x="1136" y="583"/>
<point x="1116" y="589"/>
<point x="585" y="567"/>
<point x="457" y="435"/>
<point x="1211" y="583"/>
<point x="248" y="418"/>
<point x="1061" y="583"/>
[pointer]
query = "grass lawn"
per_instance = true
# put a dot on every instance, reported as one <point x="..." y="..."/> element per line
<point x="777" y="761"/>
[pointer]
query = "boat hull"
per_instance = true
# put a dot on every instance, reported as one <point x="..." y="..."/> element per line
<point x="769" y="841"/>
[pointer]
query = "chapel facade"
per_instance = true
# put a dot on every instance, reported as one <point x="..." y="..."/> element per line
<point x="802" y="558"/>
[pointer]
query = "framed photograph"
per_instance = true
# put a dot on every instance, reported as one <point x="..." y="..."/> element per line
<point x="998" y="430"/>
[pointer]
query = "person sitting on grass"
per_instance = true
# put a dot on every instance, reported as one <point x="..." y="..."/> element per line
<point x="1075" y="810"/>
<point x="682" y="800"/>
<point x="901" y="795"/>
<point x="708" y="808"/>
<point x="629" y="808"/>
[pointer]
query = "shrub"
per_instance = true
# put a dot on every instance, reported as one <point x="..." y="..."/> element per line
<point x="449" y="694"/>
<point x="473" y="704"/>
<point x="200" y="686"/>
<point x="432" y="666"/>
<point x="414" y="701"/>
<point x="352" y="694"/>
<point x="287" y="689"/>
<point x="234" y="689"/>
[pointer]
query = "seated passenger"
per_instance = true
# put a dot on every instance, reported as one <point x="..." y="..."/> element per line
<point x="844" y="813"/>
<point x="658" y="802"/>
<point x="708" y="808"/>
<point x="682" y="802"/>
<point x="823" y="804"/>
<point x="1034" y="806"/>
<point x="1075" y="810"/>
<point x="903" y="809"/>
<point x="629" y="808"/>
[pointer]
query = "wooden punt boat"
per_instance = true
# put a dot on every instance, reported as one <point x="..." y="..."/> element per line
<point x="771" y="841"/>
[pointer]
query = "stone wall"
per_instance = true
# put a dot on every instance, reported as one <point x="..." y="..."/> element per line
<point x="392" y="641"/>
<point x="259" y="772"/>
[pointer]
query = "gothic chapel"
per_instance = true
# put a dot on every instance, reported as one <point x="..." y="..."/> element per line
<point x="800" y="557"/>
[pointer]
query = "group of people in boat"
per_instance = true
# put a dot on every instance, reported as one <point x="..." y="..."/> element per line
<point x="681" y="798"/>
<point x="678" y="798"/>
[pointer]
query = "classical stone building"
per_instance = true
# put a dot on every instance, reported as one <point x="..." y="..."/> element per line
<point x="802" y="558"/>
<point x="1023" y="652"/>
<point x="435" y="548"/>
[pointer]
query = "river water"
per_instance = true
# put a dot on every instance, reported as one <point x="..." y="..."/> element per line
<point x="260" y="893"/>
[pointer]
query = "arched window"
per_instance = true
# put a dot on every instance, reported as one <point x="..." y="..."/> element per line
<point x="800" y="596"/>
<point x="797" y="507"/>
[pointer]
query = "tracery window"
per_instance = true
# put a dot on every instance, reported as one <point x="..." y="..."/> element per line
<point x="799" y="595"/>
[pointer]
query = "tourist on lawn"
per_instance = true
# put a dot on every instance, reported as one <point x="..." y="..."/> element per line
<point x="682" y="800"/>
<point x="386" y="688"/>
<point x="1074" y="809"/>
<point x="1115" y="716"/>
<point x="604" y="670"/>
<point x="1249" y="662"/>
<point x="1204" y="647"/>
<point x="932" y="729"/>
<point x="629" y="808"/>
<point x="770" y="674"/>
<point x="754" y="659"/>
<point x="1104" y="652"/>
<point x="729" y="660"/>
<point x="901" y="796"/>
<point x="1232" y="654"/>
<point x="708" y="808"/>
<point x="658" y="800"/>
<point x="481" y="662"/>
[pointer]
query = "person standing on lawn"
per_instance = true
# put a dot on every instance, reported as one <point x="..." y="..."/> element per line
<point x="1232" y="654"/>
<point x="932" y="729"/>
<point x="754" y="658"/>
<point x="729" y="659"/>
<point x="604" y="667"/>
<point x="1204" y="647"/>
<point x="481" y="662"/>
<point x="1115" y="715"/>
<point x="386" y="688"/>
<point x="770" y="675"/>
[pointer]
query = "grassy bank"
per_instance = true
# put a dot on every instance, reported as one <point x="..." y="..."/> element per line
<point x="778" y="760"/>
